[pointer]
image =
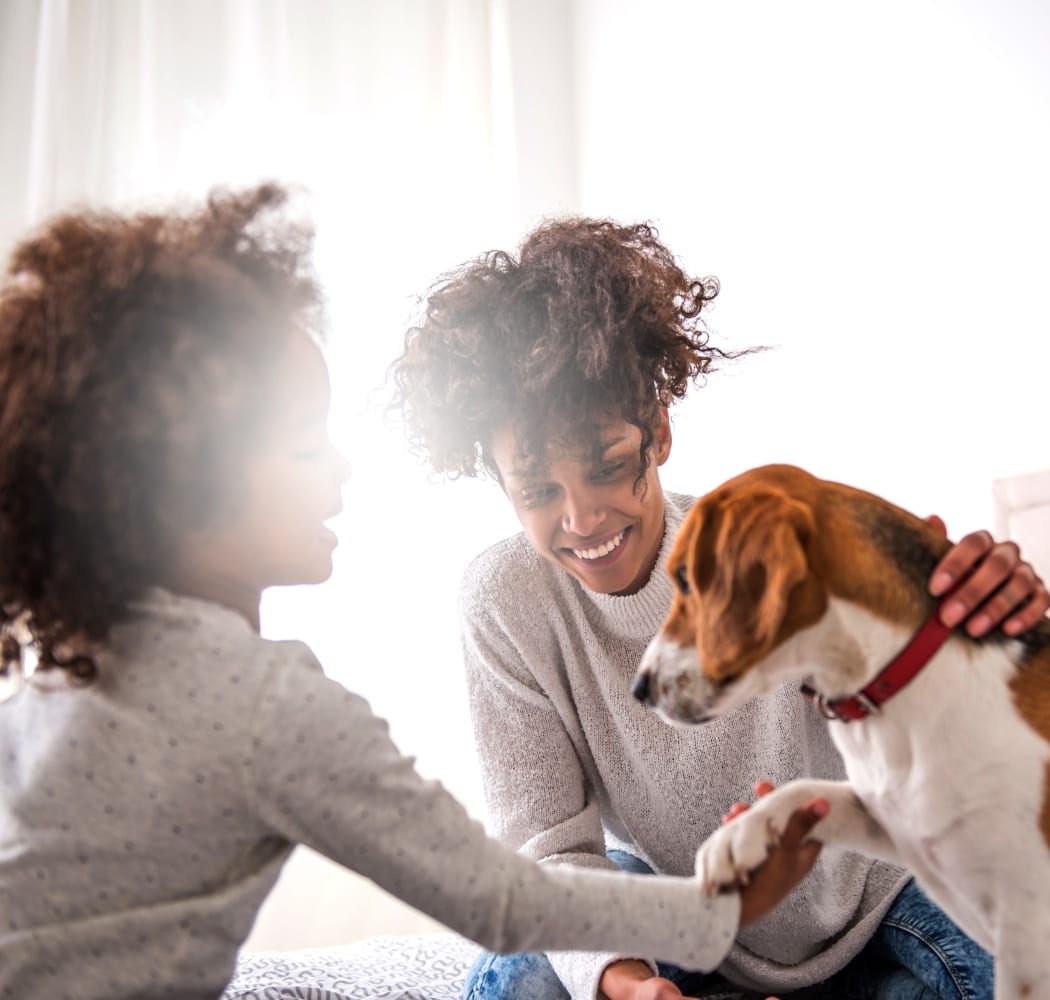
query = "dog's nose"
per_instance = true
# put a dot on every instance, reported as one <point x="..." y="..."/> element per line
<point x="640" y="687"/>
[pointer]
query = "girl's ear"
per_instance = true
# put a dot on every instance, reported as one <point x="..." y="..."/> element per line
<point x="662" y="438"/>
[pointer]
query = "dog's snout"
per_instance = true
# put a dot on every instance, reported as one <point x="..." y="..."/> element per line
<point x="640" y="687"/>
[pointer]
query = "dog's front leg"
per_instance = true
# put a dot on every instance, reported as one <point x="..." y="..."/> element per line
<point x="727" y="857"/>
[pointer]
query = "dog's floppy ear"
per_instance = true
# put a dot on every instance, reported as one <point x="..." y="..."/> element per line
<point x="751" y="571"/>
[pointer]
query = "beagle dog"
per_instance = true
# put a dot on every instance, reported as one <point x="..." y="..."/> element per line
<point x="780" y="577"/>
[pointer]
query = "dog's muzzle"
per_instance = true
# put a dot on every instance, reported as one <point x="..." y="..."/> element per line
<point x="640" y="687"/>
<point x="669" y="680"/>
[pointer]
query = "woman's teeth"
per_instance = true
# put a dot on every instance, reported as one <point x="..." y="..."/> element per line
<point x="602" y="550"/>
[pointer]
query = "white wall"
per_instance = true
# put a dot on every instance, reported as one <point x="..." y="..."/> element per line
<point x="1022" y="512"/>
<point x="869" y="181"/>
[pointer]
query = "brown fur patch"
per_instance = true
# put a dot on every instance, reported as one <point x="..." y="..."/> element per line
<point x="1030" y="688"/>
<point x="744" y="551"/>
<point x="862" y="548"/>
<point x="765" y="550"/>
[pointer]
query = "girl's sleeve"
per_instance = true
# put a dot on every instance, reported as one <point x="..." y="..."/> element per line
<point x="324" y="772"/>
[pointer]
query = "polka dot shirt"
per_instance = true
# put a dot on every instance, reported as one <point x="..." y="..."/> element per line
<point x="144" y="818"/>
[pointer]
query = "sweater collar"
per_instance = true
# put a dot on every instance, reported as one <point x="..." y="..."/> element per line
<point x="640" y="615"/>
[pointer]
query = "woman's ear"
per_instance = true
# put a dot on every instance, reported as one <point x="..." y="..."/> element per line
<point x="662" y="437"/>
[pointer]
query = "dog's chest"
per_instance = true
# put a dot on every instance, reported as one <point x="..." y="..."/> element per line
<point x="955" y="777"/>
<point x="938" y="752"/>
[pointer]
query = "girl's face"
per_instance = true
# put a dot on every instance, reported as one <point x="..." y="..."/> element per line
<point x="290" y="484"/>
<point x="580" y="509"/>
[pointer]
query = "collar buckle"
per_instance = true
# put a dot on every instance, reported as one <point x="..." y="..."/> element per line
<point x="871" y="707"/>
<point x="825" y="708"/>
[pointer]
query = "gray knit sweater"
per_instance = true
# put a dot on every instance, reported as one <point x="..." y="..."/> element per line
<point x="572" y="764"/>
<point x="144" y="818"/>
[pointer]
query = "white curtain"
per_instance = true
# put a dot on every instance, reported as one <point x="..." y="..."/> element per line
<point x="423" y="132"/>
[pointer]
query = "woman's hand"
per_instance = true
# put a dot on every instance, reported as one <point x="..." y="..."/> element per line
<point x="632" y="980"/>
<point x="1000" y="589"/>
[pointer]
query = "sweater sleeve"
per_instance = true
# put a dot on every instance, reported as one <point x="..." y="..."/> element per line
<point x="539" y="799"/>
<point x="324" y="772"/>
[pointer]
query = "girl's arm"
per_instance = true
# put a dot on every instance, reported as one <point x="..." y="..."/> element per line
<point x="324" y="772"/>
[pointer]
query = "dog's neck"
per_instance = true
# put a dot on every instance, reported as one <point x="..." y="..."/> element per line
<point x="950" y="719"/>
<point x="849" y="647"/>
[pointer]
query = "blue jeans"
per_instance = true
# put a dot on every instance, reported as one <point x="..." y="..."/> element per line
<point x="916" y="953"/>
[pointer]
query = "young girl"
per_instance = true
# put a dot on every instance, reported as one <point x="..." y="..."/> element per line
<point x="163" y="459"/>
<point x="552" y="370"/>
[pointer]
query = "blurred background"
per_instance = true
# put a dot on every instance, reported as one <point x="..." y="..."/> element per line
<point x="867" y="180"/>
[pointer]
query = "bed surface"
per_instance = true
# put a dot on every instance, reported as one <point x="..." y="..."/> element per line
<point x="409" y="967"/>
<point x="405" y="967"/>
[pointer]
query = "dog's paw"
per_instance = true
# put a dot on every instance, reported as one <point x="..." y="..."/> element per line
<point x="727" y="858"/>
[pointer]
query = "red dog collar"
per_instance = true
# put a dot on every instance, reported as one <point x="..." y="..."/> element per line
<point x="894" y="676"/>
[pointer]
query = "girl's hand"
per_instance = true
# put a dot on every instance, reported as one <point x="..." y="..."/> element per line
<point x="769" y="883"/>
<point x="628" y="979"/>
<point x="1001" y="589"/>
<point x="785" y="866"/>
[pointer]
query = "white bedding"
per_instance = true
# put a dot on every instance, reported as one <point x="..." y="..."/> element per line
<point x="408" y="967"/>
<point x="405" y="967"/>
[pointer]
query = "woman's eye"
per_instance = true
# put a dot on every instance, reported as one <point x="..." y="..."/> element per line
<point x="682" y="578"/>
<point x="609" y="471"/>
<point x="536" y="495"/>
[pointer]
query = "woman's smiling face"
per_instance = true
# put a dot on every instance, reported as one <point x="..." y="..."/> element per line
<point x="584" y="509"/>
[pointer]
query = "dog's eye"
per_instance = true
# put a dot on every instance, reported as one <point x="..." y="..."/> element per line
<point x="682" y="577"/>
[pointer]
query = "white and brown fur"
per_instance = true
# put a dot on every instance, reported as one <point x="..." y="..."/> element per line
<point x="783" y="577"/>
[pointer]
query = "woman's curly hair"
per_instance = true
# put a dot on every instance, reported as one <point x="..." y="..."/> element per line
<point x="134" y="358"/>
<point x="592" y="318"/>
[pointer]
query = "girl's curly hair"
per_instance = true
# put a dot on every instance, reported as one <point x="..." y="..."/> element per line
<point x="592" y="318"/>
<point x="134" y="358"/>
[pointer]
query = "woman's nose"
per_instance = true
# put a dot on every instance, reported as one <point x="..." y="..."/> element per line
<point x="582" y="515"/>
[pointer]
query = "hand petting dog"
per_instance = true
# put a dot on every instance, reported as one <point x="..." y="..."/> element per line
<point x="1000" y="589"/>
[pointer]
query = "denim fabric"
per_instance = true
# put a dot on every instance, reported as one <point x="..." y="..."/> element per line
<point x="531" y="977"/>
<point x="916" y="954"/>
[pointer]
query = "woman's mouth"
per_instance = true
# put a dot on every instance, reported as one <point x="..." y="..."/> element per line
<point x="603" y="553"/>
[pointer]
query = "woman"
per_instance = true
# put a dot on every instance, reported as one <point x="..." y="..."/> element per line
<point x="553" y="371"/>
